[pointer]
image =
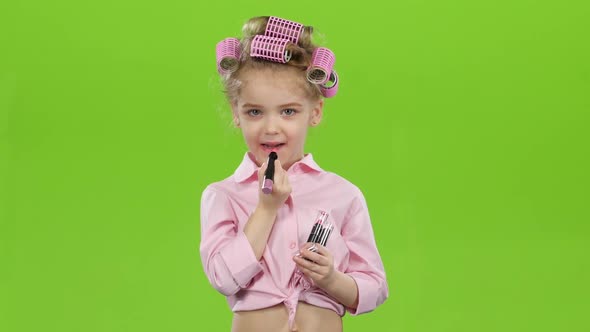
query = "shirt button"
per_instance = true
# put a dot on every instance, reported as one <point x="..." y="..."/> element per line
<point x="306" y="284"/>
<point x="292" y="246"/>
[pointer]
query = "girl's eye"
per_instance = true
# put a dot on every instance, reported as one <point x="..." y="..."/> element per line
<point x="289" y="112"/>
<point x="254" y="112"/>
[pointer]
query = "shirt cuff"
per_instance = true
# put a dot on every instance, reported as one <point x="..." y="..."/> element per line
<point x="240" y="260"/>
<point x="367" y="294"/>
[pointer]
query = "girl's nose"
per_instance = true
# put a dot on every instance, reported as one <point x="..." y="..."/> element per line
<point x="271" y="126"/>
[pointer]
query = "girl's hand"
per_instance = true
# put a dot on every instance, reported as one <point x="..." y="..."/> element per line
<point x="281" y="188"/>
<point x="320" y="267"/>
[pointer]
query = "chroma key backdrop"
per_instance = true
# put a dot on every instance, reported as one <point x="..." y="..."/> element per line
<point x="464" y="123"/>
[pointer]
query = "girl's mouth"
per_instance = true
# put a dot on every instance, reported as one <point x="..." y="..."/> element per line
<point x="269" y="147"/>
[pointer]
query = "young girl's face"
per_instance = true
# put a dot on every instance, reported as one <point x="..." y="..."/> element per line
<point x="274" y="113"/>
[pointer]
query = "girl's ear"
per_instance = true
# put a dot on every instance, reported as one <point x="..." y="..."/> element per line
<point x="316" y="113"/>
<point x="234" y="111"/>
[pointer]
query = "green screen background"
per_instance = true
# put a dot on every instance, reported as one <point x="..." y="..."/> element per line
<point x="465" y="123"/>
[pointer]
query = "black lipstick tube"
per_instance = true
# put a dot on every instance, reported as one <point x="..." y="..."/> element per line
<point x="269" y="174"/>
<point x="320" y="231"/>
<point x="314" y="233"/>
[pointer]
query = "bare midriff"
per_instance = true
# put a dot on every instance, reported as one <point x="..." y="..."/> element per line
<point x="308" y="318"/>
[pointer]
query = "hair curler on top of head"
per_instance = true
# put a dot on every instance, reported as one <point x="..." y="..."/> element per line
<point x="280" y="38"/>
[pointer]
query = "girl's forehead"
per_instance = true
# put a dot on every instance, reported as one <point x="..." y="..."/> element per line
<point x="287" y="81"/>
<point x="284" y="75"/>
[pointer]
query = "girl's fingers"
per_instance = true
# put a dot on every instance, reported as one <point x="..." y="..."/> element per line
<point x="312" y="274"/>
<point x="261" y="171"/>
<point x="321" y="249"/>
<point x="307" y="265"/>
<point x="279" y="172"/>
<point x="313" y="271"/>
<point x="281" y="179"/>
<point x="314" y="257"/>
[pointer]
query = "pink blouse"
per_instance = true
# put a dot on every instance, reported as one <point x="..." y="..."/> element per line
<point x="250" y="284"/>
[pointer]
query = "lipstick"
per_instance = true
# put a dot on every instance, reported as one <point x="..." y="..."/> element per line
<point x="314" y="233"/>
<point x="269" y="174"/>
<point x="320" y="231"/>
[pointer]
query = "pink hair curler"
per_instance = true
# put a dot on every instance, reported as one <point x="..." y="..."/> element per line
<point x="228" y="55"/>
<point x="270" y="48"/>
<point x="329" y="90"/>
<point x="322" y="62"/>
<point x="281" y="28"/>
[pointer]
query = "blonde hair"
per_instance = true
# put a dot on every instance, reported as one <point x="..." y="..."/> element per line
<point x="300" y="59"/>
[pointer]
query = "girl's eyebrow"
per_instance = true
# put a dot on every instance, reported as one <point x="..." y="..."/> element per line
<point x="293" y="104"/>
<point x="290" y="105"/>
<point x="248" y="105"/>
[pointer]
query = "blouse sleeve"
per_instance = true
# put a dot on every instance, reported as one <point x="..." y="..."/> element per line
<point x="226" y="254"/>
<point x="365" y="265"/>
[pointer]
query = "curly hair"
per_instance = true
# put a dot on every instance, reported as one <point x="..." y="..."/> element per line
<point x="301" y="54"/>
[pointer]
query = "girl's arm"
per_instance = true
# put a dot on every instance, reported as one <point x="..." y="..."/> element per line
<point x="226" y="253"/>
<point x="365" y="266"/>
<point x="362" y="286"/>
<point x="260" y="223"/>
<point x="231" y="256"/>
<point x="343" y="288"/>
<point x="258" y="229"/>
<point x="318" y="265"/>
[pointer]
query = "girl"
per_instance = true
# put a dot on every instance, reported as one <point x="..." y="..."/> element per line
<point x="256" y="246"/>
